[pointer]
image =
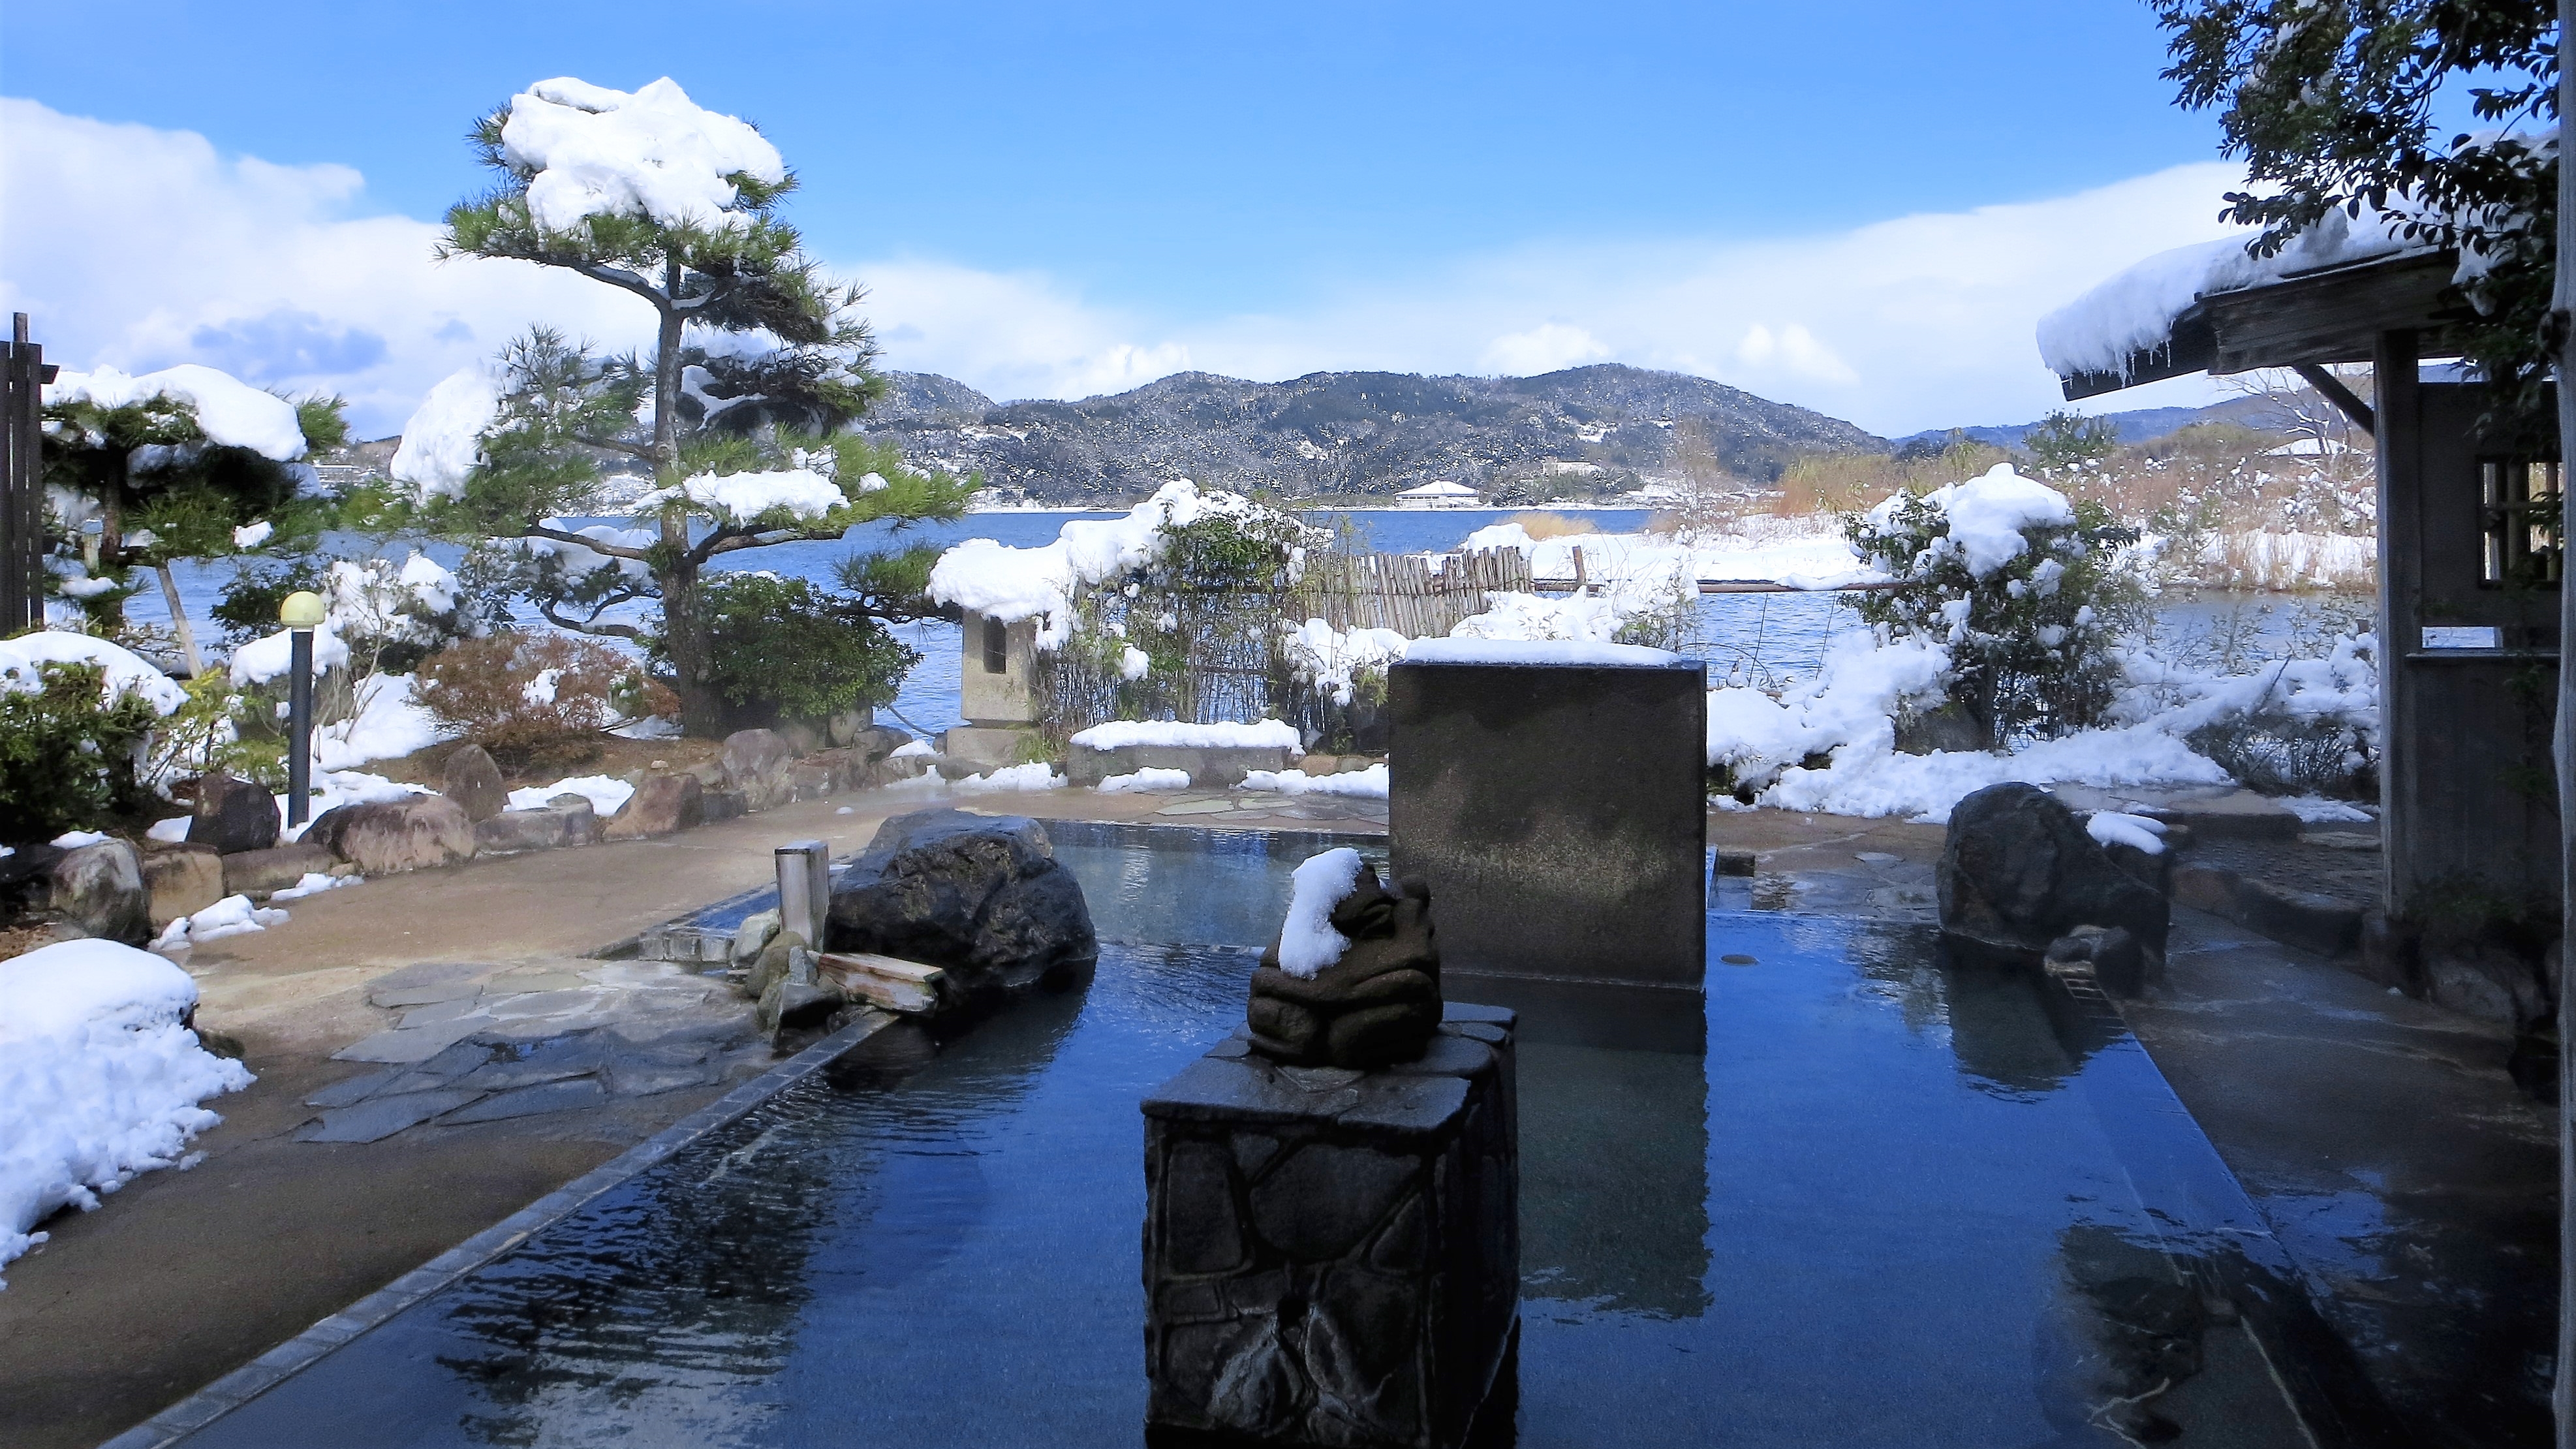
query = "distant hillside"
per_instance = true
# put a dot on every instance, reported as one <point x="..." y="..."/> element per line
<point x="1348" y="434"/>
<point x="2141" y="426"/>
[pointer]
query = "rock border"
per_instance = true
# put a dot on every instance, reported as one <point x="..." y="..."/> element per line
<point x="265" y="1372"/>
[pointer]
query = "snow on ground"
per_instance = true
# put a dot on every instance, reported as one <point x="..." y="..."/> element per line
<point x="1011" y="584"/>
<point x="651" y="152"/>
<point x="314" y="883"/>
<point x="444" y="438"/>
<point x="75" y="839"/>
<point x="1472" y="649"/>
<point x="2318" y="810"/>
<point x="1016" y="777"/>
<point x="1368" y="784"/>
<point x="98" y="1080"/>
<point x="171" y="831"/>
<point x="1786" y="551"/>
<point x="607" y="794"/>
<point x="913" y="748"/>
<point x="1269" y="734"/>
<point x="231" y="916"/>
<point x="1847" y="714"/>
<point x="127" y="673"/>
<point x="1143" y="781"/>
<point x="1307" y="941"/>
<point x="231" y="412"/>
<point x="389" y="724"/>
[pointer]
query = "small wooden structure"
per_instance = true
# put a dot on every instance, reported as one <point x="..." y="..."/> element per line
<point x="2469" y="565"/>
<point x="23" y="375"/>
<point x="1404" y="591"/>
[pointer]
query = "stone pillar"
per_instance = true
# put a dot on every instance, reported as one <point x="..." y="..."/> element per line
<point x="1559" y="813"/>
<point x="1332" y="1257"/>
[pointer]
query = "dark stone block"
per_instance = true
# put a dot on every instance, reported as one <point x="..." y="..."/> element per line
<point x="473" y="781"/>
<point x="2018" y="871"/>
<point x="233" y="815"/>
<point x="257" y="872"/>
<point x="1332" y="1255"/>
<point x="2311" y="922"/>
<point x="1558" y="814"/>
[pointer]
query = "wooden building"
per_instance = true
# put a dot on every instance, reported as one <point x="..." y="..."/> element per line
<point x="2469" y="562"/>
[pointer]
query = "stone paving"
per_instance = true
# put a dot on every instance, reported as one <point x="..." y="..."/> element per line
<point x="480" y="1042"/>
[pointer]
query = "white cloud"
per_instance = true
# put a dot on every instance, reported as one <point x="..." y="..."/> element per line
<point x="1549" y="347"/>
<point x="1917" y="322"/>
<point x="140" y="247"/>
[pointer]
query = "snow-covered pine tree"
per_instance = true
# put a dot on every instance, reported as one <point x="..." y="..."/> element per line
<point x="188" y="462"/>
<point x="759" y="361"/>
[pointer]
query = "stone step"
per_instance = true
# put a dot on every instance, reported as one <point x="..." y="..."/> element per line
<point x="2311" y="922"/>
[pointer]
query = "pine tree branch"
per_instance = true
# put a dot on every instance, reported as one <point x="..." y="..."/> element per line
<point x="589" y="625"/>
<point x="619" y="277"/>
<point x="595" y="545"/>
<point x="632" y="450"/>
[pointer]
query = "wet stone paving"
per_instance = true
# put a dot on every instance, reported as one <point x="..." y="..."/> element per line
<point x="480" y="1042"/>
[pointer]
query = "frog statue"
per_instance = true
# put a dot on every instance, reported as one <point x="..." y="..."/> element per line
<point x="1373" y="1001"/>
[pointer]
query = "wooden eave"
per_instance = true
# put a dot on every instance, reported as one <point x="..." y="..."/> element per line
<point x="2312" y="318"/>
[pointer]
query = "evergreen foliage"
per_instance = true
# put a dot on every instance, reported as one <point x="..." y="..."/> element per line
<point x="759" y="362"/>
<point x="2066" y="439"/>
<point x="2031" y="642"/>
<point x="2332" y="106"/>
<point x="67" y="760"/>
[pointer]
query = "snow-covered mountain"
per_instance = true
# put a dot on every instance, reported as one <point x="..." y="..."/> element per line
<point x="1348" y="434"/>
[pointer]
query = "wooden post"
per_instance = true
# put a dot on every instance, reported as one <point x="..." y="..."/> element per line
<point x="22" y="482"/>
<point x="2562" y="302"/>
<point x="2394" y="372"/>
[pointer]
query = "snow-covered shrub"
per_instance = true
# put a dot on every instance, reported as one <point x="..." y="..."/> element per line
<point x="784" y="648"/>
<point x="2026" y="591"/>
<point x="223" y="726"/>
<point x="530" y="699"/>
<point x="68" y="749"/>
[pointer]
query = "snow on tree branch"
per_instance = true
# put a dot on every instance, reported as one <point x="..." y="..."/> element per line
<point x="590" y="151"/>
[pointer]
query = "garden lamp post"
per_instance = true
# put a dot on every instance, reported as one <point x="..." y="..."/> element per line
<point x="301" y="611"/>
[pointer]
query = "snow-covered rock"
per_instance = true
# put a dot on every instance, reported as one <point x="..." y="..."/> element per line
<point x="1269" y="734"/>
<point x="1307" y="941"/>
<point x="98" y="1080"/>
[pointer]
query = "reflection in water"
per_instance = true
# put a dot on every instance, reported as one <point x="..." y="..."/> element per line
<point x="1864" y="1214"/>
<point x="1171" y="883"/>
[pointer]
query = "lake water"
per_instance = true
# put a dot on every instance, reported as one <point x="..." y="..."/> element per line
<point x="1773" y="638"/>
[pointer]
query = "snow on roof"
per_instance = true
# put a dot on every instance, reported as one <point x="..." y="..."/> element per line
<point x="1269" y="734"/>
<point x="1442" y="489"/>
<point x="1011" y="584"/>
<point x="444" y="439"/>
<point x="651" y="152"/>
<point x="232" y="412"/>
<point x="1590" y="652"/>
<point x="742" y="497"/>
<point x="127" y="673"/>
<point x="2135" y="311"/>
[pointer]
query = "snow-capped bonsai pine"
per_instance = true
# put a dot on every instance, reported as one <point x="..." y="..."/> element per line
<point x="758" y="362"/>
<point x="187" y="462"/>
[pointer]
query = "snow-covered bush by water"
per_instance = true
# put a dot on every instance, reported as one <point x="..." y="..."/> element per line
<point x="2026" y="592"/>
<point x="98" y="1079"/>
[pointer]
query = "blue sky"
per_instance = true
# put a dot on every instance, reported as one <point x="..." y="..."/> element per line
<point x="1222" y="186"/>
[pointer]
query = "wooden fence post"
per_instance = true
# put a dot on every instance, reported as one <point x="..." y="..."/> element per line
<point x="22" y="482"/>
